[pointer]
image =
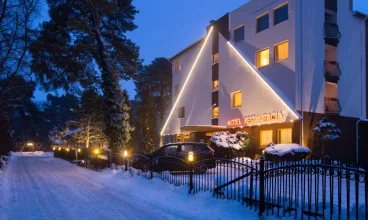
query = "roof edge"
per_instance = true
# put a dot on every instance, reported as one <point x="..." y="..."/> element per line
<point x="186" y="49"/>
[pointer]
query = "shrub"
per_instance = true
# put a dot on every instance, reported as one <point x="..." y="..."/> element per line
<point x="287" y="152"/>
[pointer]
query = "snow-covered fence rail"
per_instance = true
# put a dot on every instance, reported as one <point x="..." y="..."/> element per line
<point x="306" y="188"/>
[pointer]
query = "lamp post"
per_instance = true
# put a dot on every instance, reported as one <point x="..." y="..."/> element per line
<point x="125" y="156"/>
<point x="190" y="160"/>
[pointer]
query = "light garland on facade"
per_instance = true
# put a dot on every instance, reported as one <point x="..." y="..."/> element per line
<point x="263" y="80"/>
<point x="186" y="81"/>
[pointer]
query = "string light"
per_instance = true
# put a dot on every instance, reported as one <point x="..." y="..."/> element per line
<point x="186" y="81"/>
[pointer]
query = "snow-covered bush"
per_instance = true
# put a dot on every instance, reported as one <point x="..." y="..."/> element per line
<point x="325" y="131"/>
<point x="288" y="152"/>
<point x="230" y="145"/>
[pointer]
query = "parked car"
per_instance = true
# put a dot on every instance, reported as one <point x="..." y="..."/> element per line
<point x="174" y="157"/>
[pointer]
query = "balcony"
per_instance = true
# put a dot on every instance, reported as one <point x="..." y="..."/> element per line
<point x="332" y="34"/>
<point x="332" y="106"/>
<point x="332" y="71"/>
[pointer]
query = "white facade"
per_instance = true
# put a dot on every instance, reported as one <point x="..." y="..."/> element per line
<point x="294" y="86"/>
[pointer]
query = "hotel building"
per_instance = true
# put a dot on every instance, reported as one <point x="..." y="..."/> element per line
<point x="273" y="69"/>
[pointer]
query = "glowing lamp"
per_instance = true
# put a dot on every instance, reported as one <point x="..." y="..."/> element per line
<point x="67" y="149"/>
<point x="30" y="144"/>
<point x="54" y="148"/>
<point x="125" y="154"/>
<point x="190" y="156"/>
<point x="79" y="150"/>
<point x="97" y="151"/>
<point x="59" y="148"/>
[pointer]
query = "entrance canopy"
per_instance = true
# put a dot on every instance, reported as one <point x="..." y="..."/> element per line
<point x="202" y="128"/>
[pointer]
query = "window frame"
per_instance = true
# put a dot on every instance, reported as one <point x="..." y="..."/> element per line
<point x="179" y="66"/>
<point x="237" y="28"/>
<point x="176" y="90"/>
<point x="181" y="107"/>
<point x="259" y="51"/>
<point x="218" y="112"/>
<point x="274" y="13"/>
<point x="213" y="58"/>
<point x="278" y="135"/>
<point x="260" y="137"/>
<point x="274" y="51"/>
<point x="233" y="99"/>
<point x="261" y="16"/>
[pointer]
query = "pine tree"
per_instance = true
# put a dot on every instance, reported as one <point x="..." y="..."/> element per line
<point x="326" y="130"/>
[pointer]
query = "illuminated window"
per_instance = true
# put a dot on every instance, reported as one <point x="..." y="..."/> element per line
<point x="281" y="14"/>
<point x="282" y="51"/>
<point x="177" y="89"/>
<point x="266" y="137"/>
<point x="215" y="85"/>
<point x="216" y="58"/>
<point x="177" y="66"/>
<point x="181" y="112"/>
<point x="215" y="112"/>
<point x="263" y="23"/>
<point x="236" y="99"/>
<point x="239" y="34"/>
<point x="284" y="136"/>
<point x="263" y="58"/>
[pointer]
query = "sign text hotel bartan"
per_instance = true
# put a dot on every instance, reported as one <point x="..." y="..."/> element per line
<point x="251" y="119"/>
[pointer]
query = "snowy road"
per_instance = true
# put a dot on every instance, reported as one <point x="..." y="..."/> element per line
<point x="48" y="188"/>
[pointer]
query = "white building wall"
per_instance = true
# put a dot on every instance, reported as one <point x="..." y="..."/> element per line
<point x="310" y="55"/>
<point x="196" y="97"/>
<point x="350" y="50"/>
<point x="282" y="73"/>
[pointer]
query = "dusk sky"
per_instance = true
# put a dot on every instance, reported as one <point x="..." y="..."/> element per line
<point x="167" y="26"/>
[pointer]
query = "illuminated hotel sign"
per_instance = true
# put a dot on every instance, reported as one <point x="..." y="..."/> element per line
<point x="252" y="119"/>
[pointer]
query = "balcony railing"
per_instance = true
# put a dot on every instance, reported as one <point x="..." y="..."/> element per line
<point x="332" y="32"/>
<point x="332" y="70"/>
<point x="332" y="106"/>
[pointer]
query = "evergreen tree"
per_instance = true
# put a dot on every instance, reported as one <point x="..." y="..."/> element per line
<point x="325" y="131"/>
<point x="84" y="33"/>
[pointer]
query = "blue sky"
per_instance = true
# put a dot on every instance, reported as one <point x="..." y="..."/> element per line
<point x="167" y="26"/>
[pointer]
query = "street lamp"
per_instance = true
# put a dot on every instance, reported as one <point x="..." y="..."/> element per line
<point x="125" y="155"/>
<point x="97" y="151"/>
<point x="30" y="144"/>
<point x="79" y="150"/>
<point x="190" y="160"/>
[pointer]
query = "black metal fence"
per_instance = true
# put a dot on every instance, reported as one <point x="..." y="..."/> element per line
<point x="302" y="189"/>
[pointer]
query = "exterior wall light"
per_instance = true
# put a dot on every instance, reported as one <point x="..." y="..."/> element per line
<point x="191" y="156"/>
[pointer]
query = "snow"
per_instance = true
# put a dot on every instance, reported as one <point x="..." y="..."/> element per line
<point x="103" y="157"/>
<point x="34" y="154"/>
<point x="52" y="188"/>
<point x="227" y="140"/>
<point x="282" y="149"/>
<point x="56" y="141"/>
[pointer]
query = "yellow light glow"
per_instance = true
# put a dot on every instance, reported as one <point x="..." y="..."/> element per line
<point x="264" y="62"/>
<point x="53" y="148"/>
<point x="30" y="144"/>
<point x="79" y="150"/>
<point x="67" y="149"/>
<point x="186" y="81"/>
<point x="190" y="156"/>
<point x="125" y="154"/>
<point x="59" y="148"/>
<point x="97" y="151"/>
<point x="263" y="80"/>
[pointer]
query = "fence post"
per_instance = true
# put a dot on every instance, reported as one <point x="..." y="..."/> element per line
<point x="190" y="178"/>
<point x="261" y="187"/>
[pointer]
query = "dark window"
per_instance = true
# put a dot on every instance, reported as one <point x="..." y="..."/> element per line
<point x="181" y="112"/>
<point x="262" y="23"/>
<point x="171" y="150"/>
<point x="239" y="34"/>
<point x="281" y="14"/>
<point x="188" y="148"/>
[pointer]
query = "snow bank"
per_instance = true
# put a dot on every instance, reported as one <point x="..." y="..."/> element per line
<point x="33" y="154"/>
<point x="283" y="149"/>
<point x="227" y="140"/>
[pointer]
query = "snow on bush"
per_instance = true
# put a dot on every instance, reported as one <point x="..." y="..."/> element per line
<point x="327" y="130"/>
<point x="286" y="152"/>
<point x="227" y="140"/>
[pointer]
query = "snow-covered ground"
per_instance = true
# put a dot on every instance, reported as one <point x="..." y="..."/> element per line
<point x="42" y="187"/>
<point x="34" y="154"/>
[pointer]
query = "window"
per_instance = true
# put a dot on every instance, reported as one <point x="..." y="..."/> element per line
<point x="281" y="14"/>
<point x="176" y="89"/>
<point x="171" y="150"/>
<point x="216" y="58"/>
<point x="188" y="148"/>
<point x="215" y="85"/>
<point x="181" y="112"/>
<point x="236" y="100"/>
<point x="284" y="136"/>
<point x="266" y="137"/>
<point x="239" y="34"/>
<point x="177" y="66"/>
<point x="215" y="112"/>
<point x="263" y="58"/>
<point x="263" y="23"/>
<point x="282" y="51"/>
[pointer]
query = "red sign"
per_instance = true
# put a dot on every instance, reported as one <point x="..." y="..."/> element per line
<point x="257" y="118"/>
